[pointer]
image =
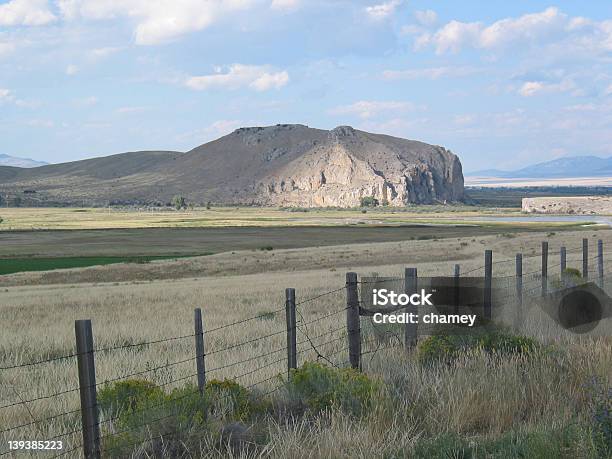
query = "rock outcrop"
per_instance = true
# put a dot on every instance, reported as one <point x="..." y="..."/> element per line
<point x="282" y="165"/>
<point x="351" y="165"/>
<point x="579" y="205"/>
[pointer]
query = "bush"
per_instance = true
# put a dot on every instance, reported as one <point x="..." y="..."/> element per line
<point x="601" y="407"/>
<point x="368" y="201"/>
<point x="227" y="398"/>
<point x="320" y="387"/>
<point x="445" y="348"/>
<point x="127" y="396"/>
<point x="179" y="202"/>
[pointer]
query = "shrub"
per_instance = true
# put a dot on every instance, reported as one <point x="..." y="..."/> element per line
<point x="179" y="202"/>
<point x="320" y="387"/>
<point x="128" y="395"/>
<point x="445" y="348"/>
<point x="368" y="201"/>
<point x="228" y="398"/>
<point x="601" y="407"/>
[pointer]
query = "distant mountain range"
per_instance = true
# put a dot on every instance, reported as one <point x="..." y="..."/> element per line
<point x="573" y="166"/>
<point x="6" y="160"/>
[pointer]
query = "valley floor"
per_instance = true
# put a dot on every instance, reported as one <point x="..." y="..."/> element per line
<point x="478" y="406"/>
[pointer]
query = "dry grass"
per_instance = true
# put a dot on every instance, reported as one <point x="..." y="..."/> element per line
<point x="100" y="218"/>
<point x="478" y="397"/>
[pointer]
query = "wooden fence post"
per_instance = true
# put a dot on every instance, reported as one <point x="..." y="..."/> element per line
<point x="585" y="258"/>
<point x="488" y="284"/>
<point x="456" y="288"/>
<point x="291" y="330"/>
<point x="519" y="291"/>
<point x="353" y="321"/>
<point x="544" y="268"/>
<point x="87" y="389"/>
<point x="563" y="256"/>
<point x="199" y="346"/>
<point x="411" y="329"/>
<point x="600" y="263"/>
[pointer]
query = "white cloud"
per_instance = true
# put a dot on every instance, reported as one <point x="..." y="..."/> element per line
<point x="260" y="78"/>
<point x="105" y="51"/>
<point x="156" y="21"/>
<point x="25" y="13"/>
<point x="426" y="17"/>
<point x="456" y="35"/>
<point x="432" y="73"/>
<point x="6" y="95"/>
<point x="531" y="88"/>
<point x="383" y="10"/>
<point x="72" y="69"/>
<point x="86" y="101"/>
<point x="370" y="108"/>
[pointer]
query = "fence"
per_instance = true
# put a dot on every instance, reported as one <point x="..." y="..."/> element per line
<point x="302" y="341"/>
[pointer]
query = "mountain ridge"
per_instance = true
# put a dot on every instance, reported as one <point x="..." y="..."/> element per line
<point x="567" y="167"/>
<point x="14" y="161"/>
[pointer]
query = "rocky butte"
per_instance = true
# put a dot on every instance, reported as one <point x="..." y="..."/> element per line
<point x="282" y="165"/>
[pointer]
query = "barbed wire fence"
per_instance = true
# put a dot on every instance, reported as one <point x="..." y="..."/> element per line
<point x="321" y="337"/>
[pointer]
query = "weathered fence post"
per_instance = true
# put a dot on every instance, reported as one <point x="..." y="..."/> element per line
<point x="352" y="320"/>
<point x="87" y="388"/>
<point x="456" y="288"/>
<point x="199" y="346"/>
<point x="600" y="263"/>
<point x="410" y="329"/>
<point x="519" y="291"/>
<point x="544" y="268"/>
<point x="585" y="258"/>
<point x="291" y="329"/>
<point x="488" y="283"/>
<point x="563" y="256"/>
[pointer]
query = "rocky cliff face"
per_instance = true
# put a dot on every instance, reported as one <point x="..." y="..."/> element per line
<point x="351" y="165"/>
<point x="282" y="165"/>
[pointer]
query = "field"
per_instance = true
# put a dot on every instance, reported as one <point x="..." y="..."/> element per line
<point x="17" y="219"/>
<point x="478" y="406"/>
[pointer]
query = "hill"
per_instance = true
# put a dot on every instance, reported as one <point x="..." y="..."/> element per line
<point x="6" y="160"/>
<point x="574" y="166"/>
<point x="291" y="165"/>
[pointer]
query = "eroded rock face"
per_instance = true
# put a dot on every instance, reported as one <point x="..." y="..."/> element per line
<point x="352" y="165"/>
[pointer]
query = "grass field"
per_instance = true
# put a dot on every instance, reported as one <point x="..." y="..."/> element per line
<point x="99" y="218"/>
<point x="481" y="405"/>
<point x="17" y="265"/>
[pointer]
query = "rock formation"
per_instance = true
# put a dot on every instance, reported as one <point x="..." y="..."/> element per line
<point x="282" y="165"/>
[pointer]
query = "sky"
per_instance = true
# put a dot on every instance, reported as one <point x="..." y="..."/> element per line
<point x="501" y="84"/>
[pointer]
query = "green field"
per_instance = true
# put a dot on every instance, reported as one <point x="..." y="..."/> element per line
<point x="17" y="265"/>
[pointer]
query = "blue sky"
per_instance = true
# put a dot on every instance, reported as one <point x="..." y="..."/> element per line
<point x="501" y="84"/>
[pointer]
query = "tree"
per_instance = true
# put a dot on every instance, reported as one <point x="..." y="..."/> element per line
<point x="368" y="201"/>
<point x="179" y="202"/>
